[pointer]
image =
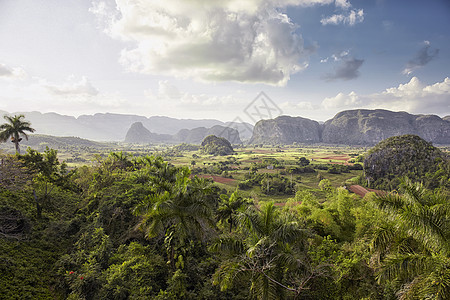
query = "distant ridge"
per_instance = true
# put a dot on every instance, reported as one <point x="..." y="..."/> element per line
<point x="138" y="134"/>
<point x="286" y="130"/>
<point x="114" y="127"/>
<point x="39" y="142"/>
<point x="352" y="127"/>
<point x="360" y="127"/>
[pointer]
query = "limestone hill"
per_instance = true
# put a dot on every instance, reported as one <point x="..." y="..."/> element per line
<point x="138" y="134"/>
<point x="352" y="127"/>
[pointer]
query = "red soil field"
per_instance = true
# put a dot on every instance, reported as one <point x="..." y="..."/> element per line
<point x="218" y="179"/>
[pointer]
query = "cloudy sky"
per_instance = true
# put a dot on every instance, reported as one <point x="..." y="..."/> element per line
<point x="212" y="58"/>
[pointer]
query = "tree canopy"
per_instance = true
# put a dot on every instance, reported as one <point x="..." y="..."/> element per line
<point x="15" y="128"/>
<point x="129" y="227"/>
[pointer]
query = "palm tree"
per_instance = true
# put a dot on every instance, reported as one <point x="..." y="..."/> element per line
<point x="270" y="254"/>
<point x="14" y="128"/>
<point x="229" y="208"/>
<point x="414" y="247"/>
<point x="183" y="212"/>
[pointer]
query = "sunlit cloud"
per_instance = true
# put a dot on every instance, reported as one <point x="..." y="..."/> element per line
<point x="351" y="18"/>
<point x="413" y="96"/>
<point x="244" y="41"/>
<point x="73" y="87"/>
<point x="12" y="73"/>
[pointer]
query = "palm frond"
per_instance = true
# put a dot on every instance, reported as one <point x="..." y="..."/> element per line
<point x="405" y="266"/>
<point x="228" y="245"/>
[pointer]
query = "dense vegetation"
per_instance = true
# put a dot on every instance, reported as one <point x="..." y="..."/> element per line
<point x="216" y="145"/>
<point x="406" y="155"/>
<point x="137" y="227"/>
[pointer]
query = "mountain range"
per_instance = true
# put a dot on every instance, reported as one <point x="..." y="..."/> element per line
<point x="351" y="127"/>
<point x="114" y="127"/>
<point x="138" y="134"/>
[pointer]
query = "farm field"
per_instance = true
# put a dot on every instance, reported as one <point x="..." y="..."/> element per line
<point x="229" y="171"/>
<point x="275" y="165"/>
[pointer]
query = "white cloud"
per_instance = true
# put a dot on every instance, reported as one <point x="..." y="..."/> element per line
<point x="72" y="98"/>
<point x="336" y="57"/>
<point x="10" y="73"/>
<point x="166" y="90"/>
<point x="168" y="94"/>
<point x="412" y="88"/>
<point x="297" y="107"/>
<point x="73" y="87"/>
<point x="341" y="101"/>
<point x="211" y="40"/>
<point x="344" y="4"/>
<point x="350" y="19"/>
<point x="439" y="88"/>
<point x="413" y="97"/>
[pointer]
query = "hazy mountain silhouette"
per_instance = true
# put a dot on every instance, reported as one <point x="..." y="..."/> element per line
<point x="114" y="127"/>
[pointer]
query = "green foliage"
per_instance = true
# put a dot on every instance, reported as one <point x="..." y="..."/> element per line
<point x="132" y="227"/>
<point x="186" y="147"/>
<point x="14" y="128"/>
<point x="264" y="256"/>
<point x="50" y="178"/>
<point x="300" y="170"/>
<point x="413" y="247"/>
<point x="216" y="146"/>
<point x="25" y="268"/>
<point x="136" y="272"/>
<point x="303" y="161"/>
<point x="230" y="207"/>
<point x="406" y="155"/>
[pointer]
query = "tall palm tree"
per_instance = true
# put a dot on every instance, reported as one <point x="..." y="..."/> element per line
<point x="270" y="254"/>
<point x="183" y="212"/>
<point x="229" y="208"/>
<point x="414" y="247"/>
<point x="14" y="129"/>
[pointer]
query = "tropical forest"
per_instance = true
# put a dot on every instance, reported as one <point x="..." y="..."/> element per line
<point x="222" y="221"/>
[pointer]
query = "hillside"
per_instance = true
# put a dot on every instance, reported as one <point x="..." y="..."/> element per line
<point x="406" y="155"/>
<point x="352" y="127"/>
<point x="216" y="146"/>
<point x="286" y="130"/>
<point x="139" y="134"/>
<point x="40" y="142"/>
<point x="362" y="127"/>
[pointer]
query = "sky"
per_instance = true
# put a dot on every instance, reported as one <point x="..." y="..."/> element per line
<point x="224" y="59"/>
